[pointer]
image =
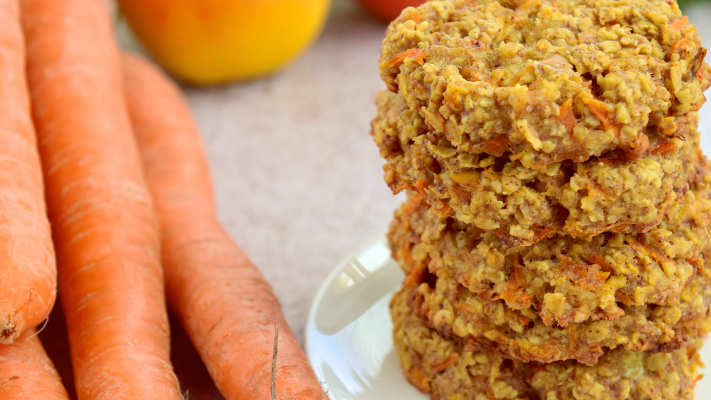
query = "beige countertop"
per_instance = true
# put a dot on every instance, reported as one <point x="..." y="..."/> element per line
<point x="298" y="179"/>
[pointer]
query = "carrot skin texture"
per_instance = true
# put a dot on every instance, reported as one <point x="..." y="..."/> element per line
<point x="222" y="300"/>
<point x="104" y="226"/>
<point x="26" y="373"/>
<point x="28" y="273"/>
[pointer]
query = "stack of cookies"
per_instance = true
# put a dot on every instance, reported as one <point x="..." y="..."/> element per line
<point x="556" y="237"/>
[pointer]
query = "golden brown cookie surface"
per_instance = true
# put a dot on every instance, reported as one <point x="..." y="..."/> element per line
<point x="562" y="297"/>
<point x="547" y="80"/>
<point x="449" y="371"/>
<point x="523" y="205"/>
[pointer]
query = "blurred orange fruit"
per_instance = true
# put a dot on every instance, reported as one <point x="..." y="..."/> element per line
<point x="388" y="10"/>
<point x="215" y="41"/>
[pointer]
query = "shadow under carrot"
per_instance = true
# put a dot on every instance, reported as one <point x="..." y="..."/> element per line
<point x="194" y="379"/>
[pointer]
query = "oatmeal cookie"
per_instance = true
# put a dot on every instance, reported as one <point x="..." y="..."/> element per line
<point x="522" y="335"/>
<point x="562" y="298"/>
<point x="449" y="370"/>
<point x="560" y="280"/>
<point x="523" y="205"/>
<point x="547" y="80"/>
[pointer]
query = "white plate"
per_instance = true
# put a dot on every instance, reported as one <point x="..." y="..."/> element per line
<point x="348" y="334"/>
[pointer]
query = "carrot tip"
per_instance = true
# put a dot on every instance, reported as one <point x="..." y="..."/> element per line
<point x="8" y="333"/>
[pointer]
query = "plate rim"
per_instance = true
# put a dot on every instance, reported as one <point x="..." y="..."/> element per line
<point x="311" y="317"/>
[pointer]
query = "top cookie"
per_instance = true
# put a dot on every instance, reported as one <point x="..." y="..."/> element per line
<point x="544" y="80"/>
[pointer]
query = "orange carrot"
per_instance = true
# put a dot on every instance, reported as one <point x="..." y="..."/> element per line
<point x="27" y="373"/>
<point x="653" y="254"/>
<point x="603" y="113"/>
<point x="417" y="54"/>
<point x="675" y="29"/>
<point x="567" y="117"/>
<point x="497" y="146"/>
<point x="105" y="229"/>
<point x="28" y="275"/>
<point x="680" y="44"/>
<point x="664" y="148"/>
<point x="678" y="24"/>
<point x="421" y="185"/>
<point x="222" y="300"/>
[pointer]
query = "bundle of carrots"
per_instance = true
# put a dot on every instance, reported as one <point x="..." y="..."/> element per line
<point x="106" y="196"/>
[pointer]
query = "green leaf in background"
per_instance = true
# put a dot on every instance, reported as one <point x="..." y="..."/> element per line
<point x="684" y="3"/>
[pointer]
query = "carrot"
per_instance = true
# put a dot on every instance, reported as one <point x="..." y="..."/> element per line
<point x="675" y="29"/>
<point x="105" y="229"/>
<point x="497" y="146"/>
<point x="415" y="16"/>
<point x="679" y="24"/>
<point x="567" y="117"/>
<point x="599" y="260"/>
<point x="680" y="44"/>
<point x="664" y="148"/>
<point x="420" y="185"/>
<point x="28" y="275"/>
<point x="446" y="364"/>
<point x="514" y="292"/>
<point x="641" y="147"/>
<point x="416" y="275"/>
<point x="417" y="54"/>
<point x="655" y="255"/>
<point x="27" y="373"/>
<point x="603" y="113"/>
<point x="222" y="300"/>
